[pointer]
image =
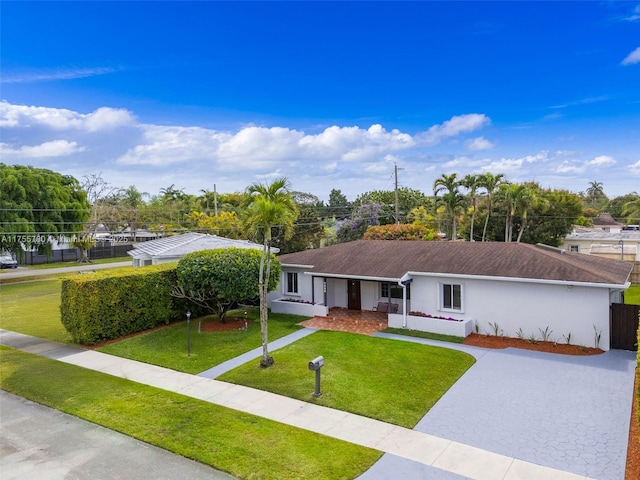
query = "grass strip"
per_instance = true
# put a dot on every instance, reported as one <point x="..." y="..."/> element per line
<point x="33" y="308"/>
<point x="428" y="335"/>
<point x="243" y="445"/>
<point x="393" y="381"/>
<point x="167" y="347"/>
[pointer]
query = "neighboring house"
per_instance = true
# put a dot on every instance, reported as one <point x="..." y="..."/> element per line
<point x="172" y="249"/>
<point x="607" y="223"/>
<point x="624" y="244"/>
<point x="513" y="288"/>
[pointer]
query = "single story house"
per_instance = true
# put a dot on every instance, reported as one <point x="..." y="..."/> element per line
<point x="623" y="244"/>
<point x="513" y="289"/>
<point x="172" y="249"/>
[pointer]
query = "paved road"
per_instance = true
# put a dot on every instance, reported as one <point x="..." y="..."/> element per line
<point x="39" y="442"/>
<point x="22" y="272"/>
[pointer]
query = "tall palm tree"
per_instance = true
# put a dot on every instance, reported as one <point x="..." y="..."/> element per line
<point x="472" y="182"/>
<point x="490" y="183"/>
<point x="529" y="197"/>
<point x="449" y="184"/>
<point x="266" y="207"/>
<point x="595" y="191"/>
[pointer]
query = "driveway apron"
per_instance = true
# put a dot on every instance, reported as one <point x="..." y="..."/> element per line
<point x="569" y="413"/>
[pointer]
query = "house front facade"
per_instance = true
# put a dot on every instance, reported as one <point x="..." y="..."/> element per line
<point x="511" y="289"/>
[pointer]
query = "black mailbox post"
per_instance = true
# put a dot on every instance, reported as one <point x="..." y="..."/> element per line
<point x="315" y="365"/>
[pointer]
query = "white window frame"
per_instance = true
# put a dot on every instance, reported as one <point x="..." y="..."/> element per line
<point x="289" y="290"/>
<point x="451" y="285"/>
<point x="574" y="248"/>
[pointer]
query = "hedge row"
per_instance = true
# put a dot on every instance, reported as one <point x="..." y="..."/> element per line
<point x="104" y="306"/>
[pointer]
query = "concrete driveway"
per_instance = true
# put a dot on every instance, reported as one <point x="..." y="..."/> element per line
<point x="39" y="442"/>
<point x="569" y="413"/>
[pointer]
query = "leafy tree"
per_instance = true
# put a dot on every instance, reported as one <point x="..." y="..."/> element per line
<point x="615" y="206"/>
<point x="422" y="216"/>
<point x="365" y="216"/>
<point x="404" y="231"/>
<point x="308" y="229"/>
<point x="266" y="207"/>
<point x="219" y="279"/>
<point x="226" y="224"/>
<point x="338" y="207"/>
<point x="490" y="183"/>
<point x="553" y="218"/>
<point x="408" y="199"/>
<point x="37" y="205"/>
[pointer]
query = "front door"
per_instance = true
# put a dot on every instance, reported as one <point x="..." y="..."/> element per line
<point x="354" y="295"/>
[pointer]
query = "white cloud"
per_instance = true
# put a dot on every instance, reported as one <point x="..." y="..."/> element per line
<point x="635" y="168"/>
<point x="601" y="161"/>
<point x="44" y="75"/>
<point x="169" y="145"/>
<point x="479" y="143"/>
<point x="633" y="57"/>
<point x="55" y="148"/>
<point x="22" y="116"/>
<point x="453" y="127"/>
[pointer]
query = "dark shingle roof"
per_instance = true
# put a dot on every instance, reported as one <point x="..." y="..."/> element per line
<point x="391" y="259"/>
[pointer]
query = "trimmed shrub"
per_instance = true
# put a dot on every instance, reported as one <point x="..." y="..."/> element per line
<point x="104" y="305"/>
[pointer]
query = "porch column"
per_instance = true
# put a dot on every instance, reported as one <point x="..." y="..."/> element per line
<point x="313" y="289"/>
<point x="324" y="291"/>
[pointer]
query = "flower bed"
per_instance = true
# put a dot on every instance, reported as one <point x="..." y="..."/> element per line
<point x="298" y="307"/>
<point x="427" y="323"/>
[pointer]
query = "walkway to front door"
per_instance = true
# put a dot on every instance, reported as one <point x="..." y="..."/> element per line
<point x="352" y="321"/>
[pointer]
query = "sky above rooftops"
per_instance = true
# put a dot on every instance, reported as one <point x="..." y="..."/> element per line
<point x="328" y="94"/>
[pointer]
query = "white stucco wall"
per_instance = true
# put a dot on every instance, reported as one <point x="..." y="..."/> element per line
<point x="526" y="306"/>
<point x="512" y="305"/>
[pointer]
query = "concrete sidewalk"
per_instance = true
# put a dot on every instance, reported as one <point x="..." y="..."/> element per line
<point x="436" y="453"/>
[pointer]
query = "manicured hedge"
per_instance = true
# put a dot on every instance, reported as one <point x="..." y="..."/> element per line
<point x="105" y="305"/>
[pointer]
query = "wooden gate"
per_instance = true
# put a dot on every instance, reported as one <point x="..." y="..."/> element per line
<point x="624" y="326"/>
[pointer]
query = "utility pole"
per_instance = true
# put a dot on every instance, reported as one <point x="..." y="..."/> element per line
<point x="395" y="166"/>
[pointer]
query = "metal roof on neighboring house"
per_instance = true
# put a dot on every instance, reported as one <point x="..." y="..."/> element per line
<point x="602" y="235"/>
<point x="393" y="258"/>
<point x="179" y="245"/>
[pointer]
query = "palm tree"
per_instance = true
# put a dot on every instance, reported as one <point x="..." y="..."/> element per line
<point x="450" y="185"/>
<point x="490" y="183"/>
<point x="595" y="191"/>
<point x="631" y="210"/>
<point x="472" y="182"/>
<point x="528" y="198"/>
<point x="266" y="207"/>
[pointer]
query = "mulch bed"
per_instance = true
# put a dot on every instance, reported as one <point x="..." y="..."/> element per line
<point x="230" y="323"/>
<point x="493" y="341"/>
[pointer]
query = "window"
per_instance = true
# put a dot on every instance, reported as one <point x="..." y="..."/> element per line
<point x="451" y="296"/>
<point x="396" y="290"/>
<point x="574" y="248"/>
<point x="292" y="282"/>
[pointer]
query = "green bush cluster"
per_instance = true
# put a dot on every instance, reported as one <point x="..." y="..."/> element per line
<point x="104" y="306"/>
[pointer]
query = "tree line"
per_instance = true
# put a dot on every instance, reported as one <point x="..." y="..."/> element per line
<point x="38" y="203"/>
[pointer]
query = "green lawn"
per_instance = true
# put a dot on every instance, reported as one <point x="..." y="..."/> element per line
<point x="392" y="381"/>
<point x="246" y="446"/>
<point x="632" y="295"/>
<point x="167" y="347"/>
<point x="33" y="308"/>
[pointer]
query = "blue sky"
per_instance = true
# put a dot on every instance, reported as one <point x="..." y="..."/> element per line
<point x="328" y="94"/>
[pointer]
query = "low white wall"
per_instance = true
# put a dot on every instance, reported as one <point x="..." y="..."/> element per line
<point x="432" y="325"/>
<point x="297" y="308"/>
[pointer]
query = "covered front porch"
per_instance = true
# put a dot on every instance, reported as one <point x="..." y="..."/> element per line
<point x="339" y="319"/>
